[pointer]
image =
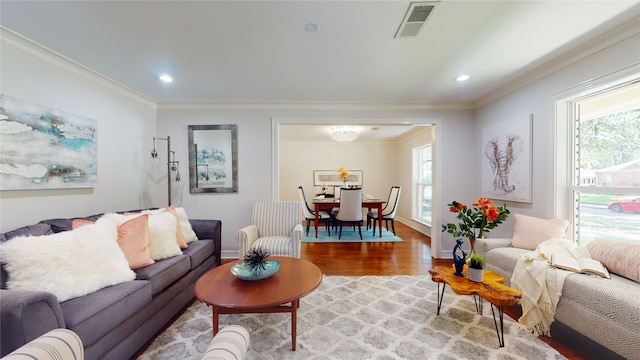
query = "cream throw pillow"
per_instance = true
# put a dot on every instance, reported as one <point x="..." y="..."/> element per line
<point x="68" y="264"/>
<point x="529" y="231"/>
<point x="162" y="236"/>
<point x="620" y="257"/>
<point x="187" y="230"/>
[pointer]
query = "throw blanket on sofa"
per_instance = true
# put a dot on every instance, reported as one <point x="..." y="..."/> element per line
<point x="540" y="285"/>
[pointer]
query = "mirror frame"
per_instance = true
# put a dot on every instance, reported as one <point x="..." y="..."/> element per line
<point x="224" y="139"/>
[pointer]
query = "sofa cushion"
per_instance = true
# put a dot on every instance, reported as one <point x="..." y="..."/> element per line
<point x="620" y="257"/>
<point x="503" y="260"/>
<point x="199" y="251"/>
<point x="94" y="315"/>
<point x="33" y="230"/>
<point x="529" y="231"/>
<point x="68" y="264"/>
<point x="164" y="272"/>
<point x="58" y="225"/>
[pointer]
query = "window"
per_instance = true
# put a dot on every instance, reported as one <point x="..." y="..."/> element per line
<point x="422" y="184"/>
<point x="602" y="162"/>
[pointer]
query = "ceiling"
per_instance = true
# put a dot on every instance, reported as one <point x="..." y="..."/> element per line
<point x="260" y="51"/>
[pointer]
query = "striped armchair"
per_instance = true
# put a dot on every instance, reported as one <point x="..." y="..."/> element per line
<point x="230" y="343"/>
<point x="55" y="345"/>
<point x="276" y="225"/>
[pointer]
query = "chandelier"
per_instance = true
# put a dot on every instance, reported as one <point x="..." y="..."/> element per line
<point x="344" y="134"/>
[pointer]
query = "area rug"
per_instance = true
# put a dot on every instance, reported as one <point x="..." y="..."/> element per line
<point x="368" y="317"/>
<point x="349" y="235"/>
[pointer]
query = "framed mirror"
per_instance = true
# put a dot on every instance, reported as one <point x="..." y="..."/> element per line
<point x="213" y="158"/>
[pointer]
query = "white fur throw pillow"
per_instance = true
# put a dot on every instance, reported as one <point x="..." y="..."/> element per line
<point x="187" y="230"/>
<point x="162" y="236"/>
<point x="68" y="264"/>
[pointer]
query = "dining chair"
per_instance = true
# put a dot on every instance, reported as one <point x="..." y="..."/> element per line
<point x="275" y="225"/>
<point x="350" y="212"/>
<point x="310" y="215"/>
<point x="388" y="212"/>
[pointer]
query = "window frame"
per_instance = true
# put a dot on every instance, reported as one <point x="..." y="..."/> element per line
<point x="419" y="185"/>
<point x="567" y="187"/>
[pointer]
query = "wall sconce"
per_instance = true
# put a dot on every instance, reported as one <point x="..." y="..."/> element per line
<point x="344" y="134"/>
<point x="172" y="164"/>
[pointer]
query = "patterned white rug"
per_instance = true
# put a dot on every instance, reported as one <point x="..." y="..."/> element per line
<point x="369" y="317"/>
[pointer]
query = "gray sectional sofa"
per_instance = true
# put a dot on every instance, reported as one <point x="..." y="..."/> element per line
<point x="598" y="314"/>
<point x="116" y="321"/>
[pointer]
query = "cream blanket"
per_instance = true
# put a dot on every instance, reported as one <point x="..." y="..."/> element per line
<point x="540" y="285"/>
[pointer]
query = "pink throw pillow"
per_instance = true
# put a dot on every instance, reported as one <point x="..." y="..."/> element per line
<point x="620" y="257"/>
<point x="76" y="223"/>
<point x="529" y="231"/>
<point x="133" y="238"/>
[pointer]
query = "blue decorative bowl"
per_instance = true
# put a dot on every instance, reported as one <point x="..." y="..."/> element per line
<point x="242" y="271"/>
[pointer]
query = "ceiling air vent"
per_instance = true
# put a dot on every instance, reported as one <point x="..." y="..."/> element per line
<point x="415" y="18"/>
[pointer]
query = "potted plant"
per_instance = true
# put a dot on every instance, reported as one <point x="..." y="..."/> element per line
<point x="476" y="267"/>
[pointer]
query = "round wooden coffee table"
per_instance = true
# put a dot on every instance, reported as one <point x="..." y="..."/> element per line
<point x="227" y="294"/>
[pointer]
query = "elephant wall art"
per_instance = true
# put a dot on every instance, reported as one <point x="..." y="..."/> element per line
<point x="506" y="172"/>
<point x="502" y="151"/>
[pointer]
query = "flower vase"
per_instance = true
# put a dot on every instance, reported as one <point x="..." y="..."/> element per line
<point x="344" y="185"/>
<point x="472" y="241"/>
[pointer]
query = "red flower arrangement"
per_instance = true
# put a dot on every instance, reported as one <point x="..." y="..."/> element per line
<point x="476" y="221"/>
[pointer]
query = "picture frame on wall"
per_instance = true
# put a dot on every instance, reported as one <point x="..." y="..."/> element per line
<point x="46" y="148"/>
<point x="332" y="178"/>
<point x="213" y="158"/>
<point x="507" y="160"/>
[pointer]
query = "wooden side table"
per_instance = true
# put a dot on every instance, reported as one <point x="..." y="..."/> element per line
<point x="492" y="289"/>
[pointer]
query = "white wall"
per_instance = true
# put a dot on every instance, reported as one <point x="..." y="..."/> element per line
<point x="538" y="98"/>
<point x="258" y="154"/>
<point x="126" y="124"/>
<point x="298" y="160"/>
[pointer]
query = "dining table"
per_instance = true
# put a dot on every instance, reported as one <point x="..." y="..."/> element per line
<point x="327" y="204"/>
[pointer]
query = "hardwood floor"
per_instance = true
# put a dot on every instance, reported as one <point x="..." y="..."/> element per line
<point x="411" y="257"/>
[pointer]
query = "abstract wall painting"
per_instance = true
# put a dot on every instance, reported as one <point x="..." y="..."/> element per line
<point x="507" y="160"/>
<point x="44" y="148"/>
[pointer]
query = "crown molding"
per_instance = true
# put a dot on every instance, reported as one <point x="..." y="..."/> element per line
<point x="15" y="40"/>
<point x="312" y="106"/>
<point x="627" y="30"/>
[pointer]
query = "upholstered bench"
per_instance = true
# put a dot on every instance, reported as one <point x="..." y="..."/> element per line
<point x="602" y="315"/>
<point x="230" y="343"/>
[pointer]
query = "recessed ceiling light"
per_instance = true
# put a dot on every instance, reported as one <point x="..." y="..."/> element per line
<point x="166" y="78"/>
<point x="462" y="77"/>
<point x="311" y="27"/>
